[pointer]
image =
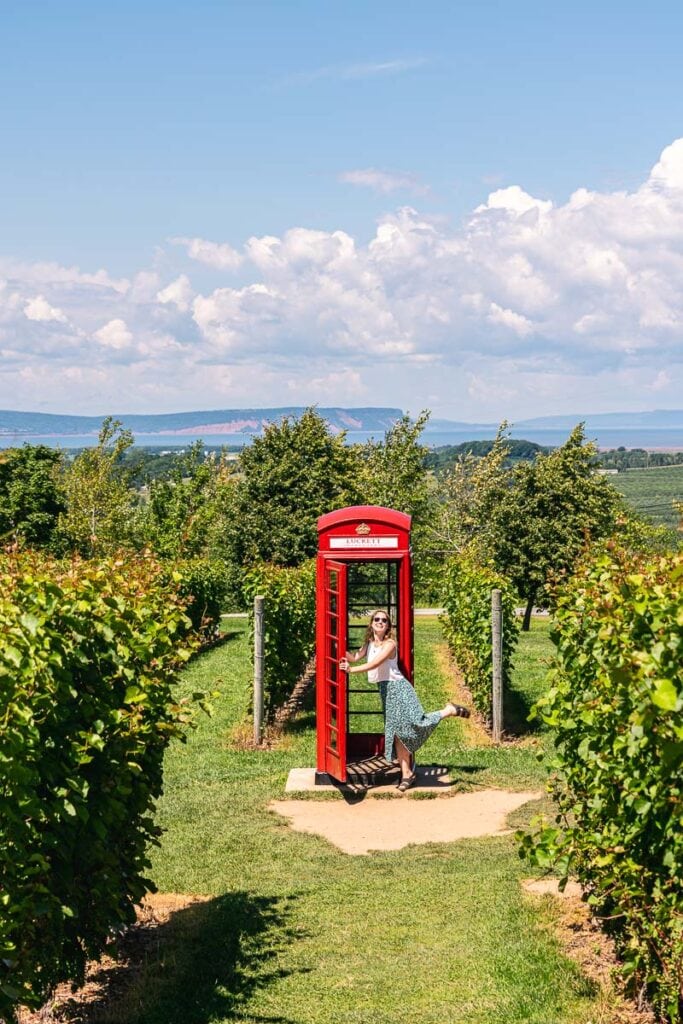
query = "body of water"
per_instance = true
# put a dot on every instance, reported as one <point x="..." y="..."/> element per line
<point x="608" y="438"/>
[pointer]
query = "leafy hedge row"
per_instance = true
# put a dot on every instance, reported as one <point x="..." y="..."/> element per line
<point x="616" y="705"/>
<point x="204" y="585"/>
<point x="467" y="625"/>
<point x="89" y="656"/>
<point x="289" y="624"/>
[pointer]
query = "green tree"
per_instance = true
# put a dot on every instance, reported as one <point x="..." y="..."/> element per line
<point x="530" y="521"/>
<point x="296" y="472"/>
<point x="466" y="495"/>
<point x="99" y="500"/>
<point x="31" y="494"/>
<point x="394" y="473"/>
<point x="545" y="513"/>
<point x="183" y="513"/>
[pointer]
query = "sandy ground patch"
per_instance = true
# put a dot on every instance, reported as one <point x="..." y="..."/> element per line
<point x="359" y="828"/>
<point x="582" y="939"/>
<point x="113" y="985"/>
<point x="543" y="886"/>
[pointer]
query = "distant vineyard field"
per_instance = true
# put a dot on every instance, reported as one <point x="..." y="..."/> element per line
<point x="652" y="491"/>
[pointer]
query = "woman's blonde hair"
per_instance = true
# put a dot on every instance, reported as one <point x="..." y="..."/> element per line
<point x="369" y="635"/>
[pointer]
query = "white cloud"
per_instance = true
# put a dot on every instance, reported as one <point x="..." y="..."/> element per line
<point x="54" y="274"/>
<point x="384" y="181"/>
<point x="114" y="335"/>
<point x="229" y="316"/>
<point x="661" y="382"/>
<point x="668" y="171"/>
<point x="178" y="293"/>
<point x="529" y="302"/>
<point x="508" y="318"/>
<point x="355" y="72"/>
<point x="386" y="67"/>
<point x="213" y="254"/>
<point x="40" y="309"/>
<point x="144" y="286"/>
<point x="514" y="200"/>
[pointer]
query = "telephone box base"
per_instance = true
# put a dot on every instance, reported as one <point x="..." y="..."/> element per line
<point x="370" y="772"/>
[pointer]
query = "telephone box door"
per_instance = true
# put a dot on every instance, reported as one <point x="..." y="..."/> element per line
<point x="334" y="681"/>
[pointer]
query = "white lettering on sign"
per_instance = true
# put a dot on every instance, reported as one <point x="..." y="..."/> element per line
<point x="363" y="542"/>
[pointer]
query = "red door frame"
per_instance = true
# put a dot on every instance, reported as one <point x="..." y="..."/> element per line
<point x="331" y="682"/>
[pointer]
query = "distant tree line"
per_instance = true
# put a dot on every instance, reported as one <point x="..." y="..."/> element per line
<point x="526" y="510"/>
<point x="621" y="458"/>
<point x="446" y="455"/>
<point x="638" y="458"/>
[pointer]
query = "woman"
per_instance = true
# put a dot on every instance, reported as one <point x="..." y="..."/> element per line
<point x="406" y="725"/>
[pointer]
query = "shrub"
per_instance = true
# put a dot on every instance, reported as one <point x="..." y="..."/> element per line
<point x="205" y="586"/>
<point x="289" y="624"/>
<point x="616" y="706"/>
<point x="467" y="625"/>
<point x="87" y="667"/>
<point x="31" y="494"/>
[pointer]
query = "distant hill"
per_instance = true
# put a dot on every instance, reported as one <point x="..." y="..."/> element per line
<point x="217" y="421"/>
<point x="657" y="419"/>
<point x="446" y="425"/>
<point x="369" y="419"/>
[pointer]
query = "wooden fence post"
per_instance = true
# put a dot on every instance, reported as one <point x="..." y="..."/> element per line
<point x="497" y="645"/>
<point x="258" y="668"/>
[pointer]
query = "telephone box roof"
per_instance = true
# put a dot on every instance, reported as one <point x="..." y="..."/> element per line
<point x="358" y="513"/>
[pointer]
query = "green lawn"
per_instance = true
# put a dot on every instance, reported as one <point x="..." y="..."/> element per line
<point x="298" y="932"/>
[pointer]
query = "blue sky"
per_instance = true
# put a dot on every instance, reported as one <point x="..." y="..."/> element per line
<point x="134" y="134"/>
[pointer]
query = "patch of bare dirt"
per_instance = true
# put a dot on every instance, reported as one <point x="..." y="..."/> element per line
<point x="583" y="940"/>
<point x="360" y="828"/>
<point x="551" y="886"/>
<point x="476" y="733"/>
<point x="111" y="983"/>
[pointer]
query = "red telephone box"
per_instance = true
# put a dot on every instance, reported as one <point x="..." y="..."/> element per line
<point x="363" y="563"/>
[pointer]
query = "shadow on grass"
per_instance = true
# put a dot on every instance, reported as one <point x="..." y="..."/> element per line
<point x="517" y="706"/>
<point x="230" y="634"/>
<point x="302" y="722"/>
<point x="467" y="769"/>
<point x="218" y="641"/>
<point x="203" y="963"/>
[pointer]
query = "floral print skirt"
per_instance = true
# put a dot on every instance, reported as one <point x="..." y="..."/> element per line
<point x="404" y="716"/>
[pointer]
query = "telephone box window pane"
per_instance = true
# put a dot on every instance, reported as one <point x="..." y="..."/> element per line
<point x="333" y="694"/>
<point x="333" y="718"/>
<point x="334" y="580"/>
<point x="333" y="739"/>
<point x="332" y="671"/>
<point x="333" y="648"/>
<point x="333" y="603"/>
<point x="371" y="585"/>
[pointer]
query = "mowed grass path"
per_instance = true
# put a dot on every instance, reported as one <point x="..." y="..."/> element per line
<point x="296" y="931"/>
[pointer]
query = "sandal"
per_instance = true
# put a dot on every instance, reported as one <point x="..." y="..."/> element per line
<point x="407" y="783"/>
<point x="460" y="711"/>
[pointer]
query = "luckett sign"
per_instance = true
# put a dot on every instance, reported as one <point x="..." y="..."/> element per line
<point x="363" y="542"/>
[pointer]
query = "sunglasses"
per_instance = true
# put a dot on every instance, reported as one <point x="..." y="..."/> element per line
<point x="380" y="618"/>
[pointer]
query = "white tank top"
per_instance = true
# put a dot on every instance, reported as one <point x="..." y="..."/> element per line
<point x="387" y="670"/>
